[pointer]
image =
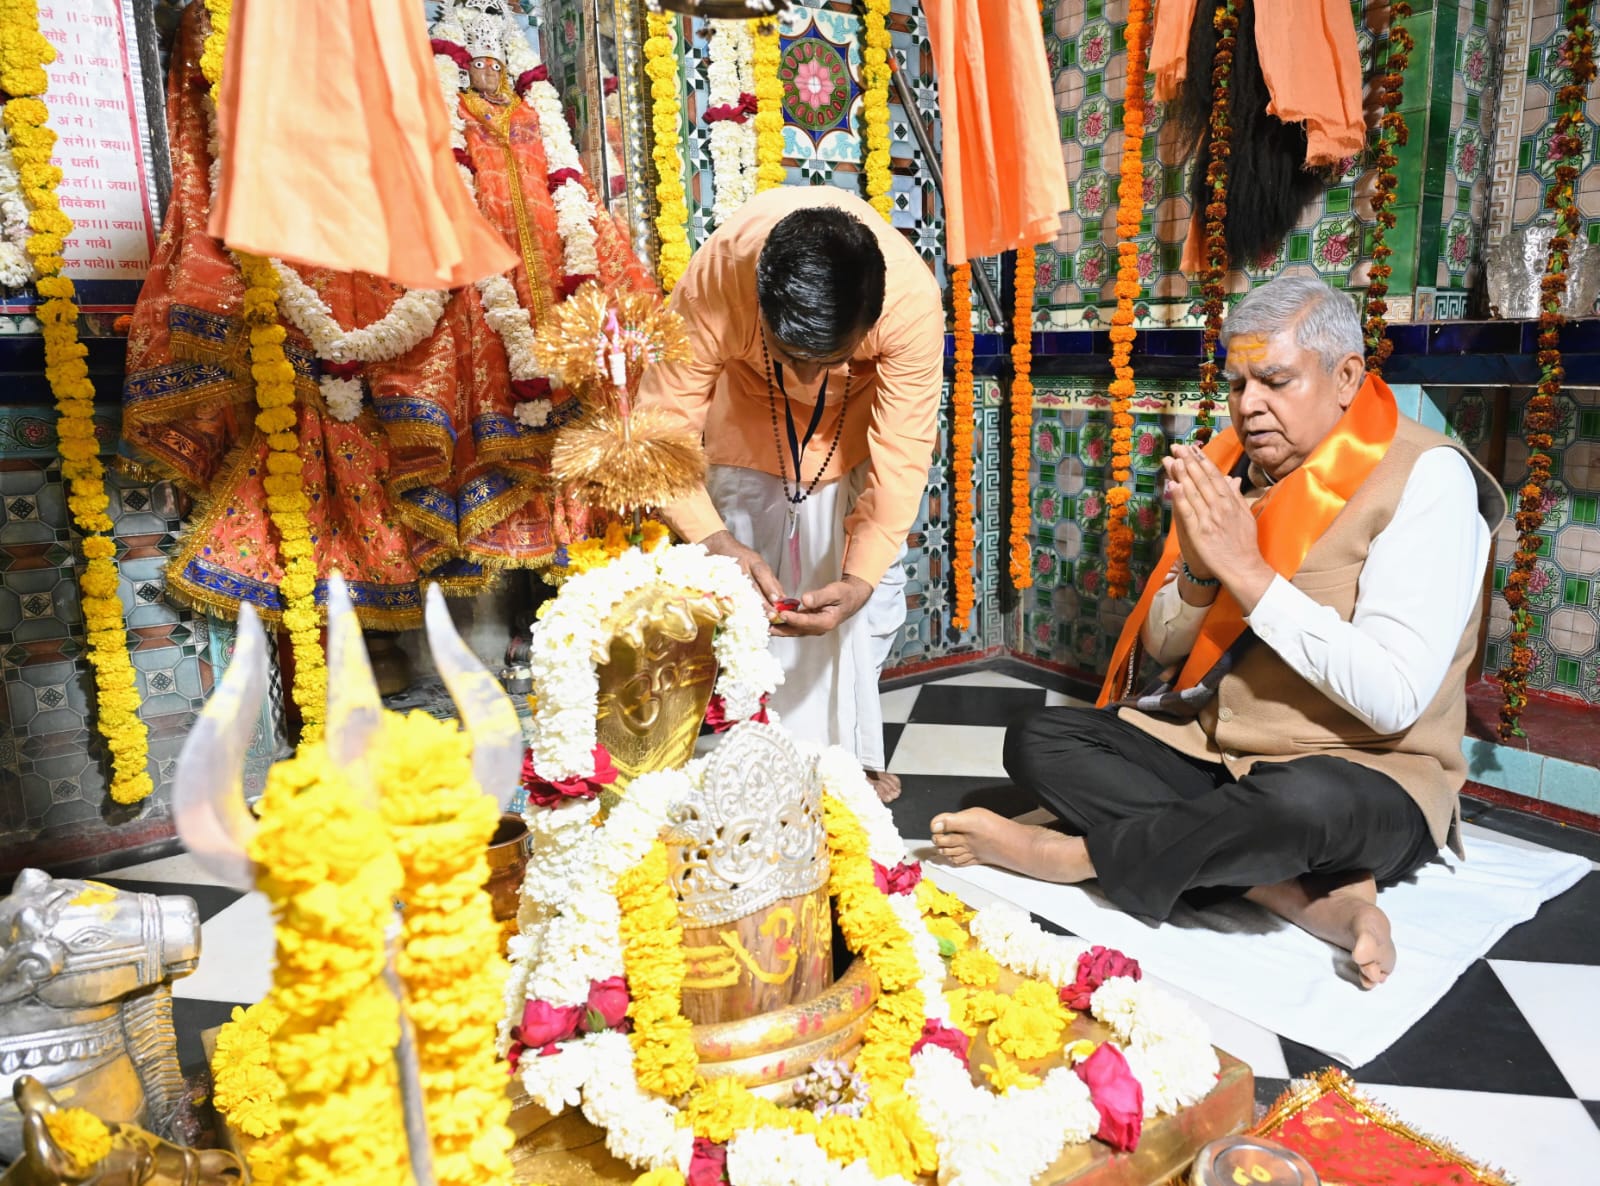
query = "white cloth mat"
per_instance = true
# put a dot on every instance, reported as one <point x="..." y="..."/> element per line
<point x="1242" y="958"/>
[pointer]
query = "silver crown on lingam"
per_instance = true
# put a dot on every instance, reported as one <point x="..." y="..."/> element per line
<point x="752" y="835"/>
<point x="1514" y="268"/>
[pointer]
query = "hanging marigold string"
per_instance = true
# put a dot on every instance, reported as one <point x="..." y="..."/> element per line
<point x="1130" y="213"/>
<point x="1567" y="145"/>
<point x="962" y="402"/>
<point x="1392" y="134"/>
<point x="875" y="104"/>
<point x="1022" y="420"/>
<point x="23" y="58"/>
<point x="278" y="420"/>
<point x="1214" y="269"/>
<point x="672" y="206"/>
<point x="769" y="105"/>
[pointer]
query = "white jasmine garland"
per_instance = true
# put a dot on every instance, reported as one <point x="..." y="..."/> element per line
<point x="730" y="74"/>
<point x="567" y="643"/>
<point x="986" y="1139"/>
<point x="16" y="269"/>
<point x="342" y="397"/>
<point x="409" y="321"/>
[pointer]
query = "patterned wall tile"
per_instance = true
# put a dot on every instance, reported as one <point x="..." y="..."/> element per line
<point x="52" y="782"/>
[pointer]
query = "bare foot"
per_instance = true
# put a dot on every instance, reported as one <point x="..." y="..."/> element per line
<point x="887" y="785"/>
<point x="1345" y="913"/>
<point x="978" y="836"/>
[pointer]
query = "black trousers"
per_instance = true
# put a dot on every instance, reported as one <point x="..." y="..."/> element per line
<point x="1159" y="824"/>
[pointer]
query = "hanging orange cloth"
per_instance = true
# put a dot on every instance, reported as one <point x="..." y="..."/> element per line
<point x="1005" y="182"/>
<point x="336" y="146"/>
<point x="1309" y="59"/>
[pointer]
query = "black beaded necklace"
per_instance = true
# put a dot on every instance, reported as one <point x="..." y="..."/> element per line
<point x="797" y="445"/>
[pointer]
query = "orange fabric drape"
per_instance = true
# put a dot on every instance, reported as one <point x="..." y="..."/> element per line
<point x="1290" y="518"/>
<point x="1309" y="59"/>
<point x="1005" y="182"/>
<point x="336" y="146"/>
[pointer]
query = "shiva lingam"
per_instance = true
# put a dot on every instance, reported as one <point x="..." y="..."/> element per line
<point x="749" y="864"/>
<point x="86" y="998"/>
<point x="134" y="1157"/>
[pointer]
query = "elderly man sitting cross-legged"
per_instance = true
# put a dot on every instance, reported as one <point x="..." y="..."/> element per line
<point x="1316" y="610"/>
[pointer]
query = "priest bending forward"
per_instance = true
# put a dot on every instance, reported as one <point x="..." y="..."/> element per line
<point x="1316" y="610"/>
<point x="818" y="342"/>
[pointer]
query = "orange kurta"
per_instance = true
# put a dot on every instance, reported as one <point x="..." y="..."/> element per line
<point x="896" y="376"/>
<point x="1005" y="180"/>
<point x="336" y="146"/>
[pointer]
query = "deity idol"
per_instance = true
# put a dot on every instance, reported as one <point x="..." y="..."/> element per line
<point x="424" y="430"/>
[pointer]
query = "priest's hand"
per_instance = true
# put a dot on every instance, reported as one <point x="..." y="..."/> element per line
<point x="748" y="559"/>
<point x="824" y="609"/>
<point x="1216" y="529"/>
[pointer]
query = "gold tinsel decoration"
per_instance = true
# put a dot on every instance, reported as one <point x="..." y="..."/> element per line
<point x="618" y="457"/>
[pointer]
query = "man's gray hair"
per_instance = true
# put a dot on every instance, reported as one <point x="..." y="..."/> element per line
<point x="1324" y="319"/>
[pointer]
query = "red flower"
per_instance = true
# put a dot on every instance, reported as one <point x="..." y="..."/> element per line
<point x="545" y="793"/>
<point x="607" y="1006"/>
<point x="717" y="715"/>
<point x="543" y="1025"/>
<point x="708" y="1165"/>
<point x="1116" y="1094"/>
<point x="526" y="389"/>
<point x="456" y="53"/>
<point x="936" y="1033"/>
<point x="528" y="77"/>
<point x="902" y="879"/>
<point x="1095" y="967"/>
<point x="561" y="176"/>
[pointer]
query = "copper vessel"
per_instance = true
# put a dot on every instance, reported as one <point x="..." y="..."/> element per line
<point x="508" y="862"/>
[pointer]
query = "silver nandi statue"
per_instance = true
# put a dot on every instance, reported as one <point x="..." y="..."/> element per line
<point x="86" y="998"/>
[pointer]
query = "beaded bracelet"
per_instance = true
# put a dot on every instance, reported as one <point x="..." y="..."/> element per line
<point x="1202" y="582"/>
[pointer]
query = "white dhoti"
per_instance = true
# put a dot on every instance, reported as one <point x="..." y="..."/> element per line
<point x="829" y="694"/>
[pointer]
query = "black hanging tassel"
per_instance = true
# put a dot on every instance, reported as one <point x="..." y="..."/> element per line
<point x="1269" y="185"/>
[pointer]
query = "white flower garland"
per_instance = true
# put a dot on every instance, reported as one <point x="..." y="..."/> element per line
<point x="16" y="269"/>
<point x="730" y="73"/>
<point x="342" y="397"/>
<point x="983" y="1138"/>
<point x="567" y="635"/>
<point x="535" y="413"/>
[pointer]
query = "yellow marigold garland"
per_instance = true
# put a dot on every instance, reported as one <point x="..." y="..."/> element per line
<point x="24" y="53"/>
<point x="672" y="207"/>
<point x="245" y="1088"/>
<point x="890" y="1135"/>
<point x="962" y="410"/>
<point x="1130" y="213"/>
<point x="333" y="901"/>
<point x="767" y="56"/>
<point x="80" y="1135"/>
<point x="664" y="1057"/>
<point x="277" y="419"/>
<point x="875" y="104"/>
<point x="1022" y="419"/>
<point x="451" y="964"/>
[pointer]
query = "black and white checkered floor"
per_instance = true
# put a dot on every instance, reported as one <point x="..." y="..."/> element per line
<point x="1506" y="1066"/>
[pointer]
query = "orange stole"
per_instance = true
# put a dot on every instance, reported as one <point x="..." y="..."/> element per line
<point x="1290" y="518"/>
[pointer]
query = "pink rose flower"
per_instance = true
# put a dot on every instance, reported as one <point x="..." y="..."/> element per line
<point x="936" y="1033"/>
<point x="708" y="1165"/>
<point x="1116" y="1094"/>
<point x="607" y="1005"/>
<point x="902" y="879"/>
<point x="544" y="1024"/>
<point x="1095" y="967"/>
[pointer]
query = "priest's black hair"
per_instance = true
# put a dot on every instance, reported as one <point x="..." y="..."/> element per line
<point x="819" y="281"/>
<point x="1269" y="184"/>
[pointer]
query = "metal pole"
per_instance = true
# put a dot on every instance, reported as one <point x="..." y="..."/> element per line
<point x="908" y="100"/>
